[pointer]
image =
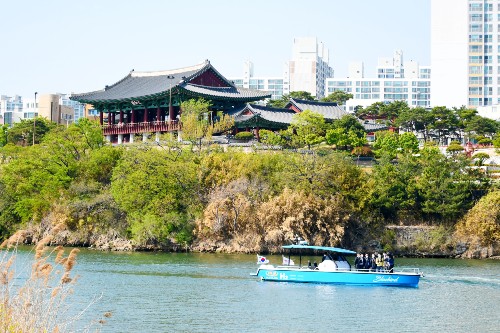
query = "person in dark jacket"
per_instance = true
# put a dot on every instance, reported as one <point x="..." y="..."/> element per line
<point x="367" y="262"/>
<point x="358" y="262"/>
<point x="390" y="263"/>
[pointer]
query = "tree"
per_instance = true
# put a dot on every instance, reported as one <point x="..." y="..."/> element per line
<point x="455" y="148"/>
<point x="305" y="95"/>
<point x="285" y="99"/>
<point x="445" y="122"/>
<point x="387" y="143"/>
<point x="392" y="111"/>
<point x="3" y="134"/>
<point x="308" y="128"/>
<point x="408" y="142"/>
<point x="479" y="158"/>
<point x="482" y="126"/>
<point x="338" y="96"/>
<point x="393" y="187"/>
<point x="415" y="120"/>
<point x="445" y="187"/>
<point x="21" y="133"/>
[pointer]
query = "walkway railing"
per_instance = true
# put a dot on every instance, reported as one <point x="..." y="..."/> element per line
<point x="145" y="127"/>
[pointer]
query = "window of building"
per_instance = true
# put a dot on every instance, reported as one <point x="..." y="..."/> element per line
<point x="488" y="38"/>
<point x="475" y="38"/>
<point x="475" y="90"/>
<point x="475" y="69"/>
<point x="476" y="59"/>
<point x="488" y="49"/>
<point x="488" y="7"/>
<point x="488" y="101"/>
<point x="488" y="69"/>
<point x="488" y="91"/>
<point x="488" y="80"/>
<point x="476" y="7"/>
<point x="476" y="17"/>
<point x="475" y="48"/>
<point x="488" y="59"/>
<point x="475" y="27"/>
<point x="488" y="17"/>
<point x="474" y="101"/>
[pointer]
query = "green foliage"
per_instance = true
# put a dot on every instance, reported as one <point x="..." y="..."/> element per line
<point x="21" y="132"/>
<point x="150" y="183"/>
<point x="244" y="136"/>
<point x="3" y="135"/>
<point x="270" y="138"/>
<point x="338" y="96"/>
<point x="308" y="128"/>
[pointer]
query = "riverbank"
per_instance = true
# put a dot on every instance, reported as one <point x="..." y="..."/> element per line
<point x="404" y="241"/>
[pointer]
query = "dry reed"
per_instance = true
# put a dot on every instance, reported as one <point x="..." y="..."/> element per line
<point x="39" y="304"/>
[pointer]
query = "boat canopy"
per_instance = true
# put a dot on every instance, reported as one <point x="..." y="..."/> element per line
<point x="321" y="248"/>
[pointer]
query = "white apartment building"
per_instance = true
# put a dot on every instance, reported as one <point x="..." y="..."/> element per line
<point x="465" y="53"/>
<point x="396" y="80"/>
<point x="11" y="109"/>
<point x="277" y="86"/>
<point x="309" y="66"/>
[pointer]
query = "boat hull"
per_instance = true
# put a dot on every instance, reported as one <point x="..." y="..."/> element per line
<point x="339" y="277"/>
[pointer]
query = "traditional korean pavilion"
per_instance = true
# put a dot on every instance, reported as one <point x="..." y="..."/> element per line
<point x="149" y="102"/>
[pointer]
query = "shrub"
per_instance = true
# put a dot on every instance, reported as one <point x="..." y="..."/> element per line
<point x="244" y="136"/>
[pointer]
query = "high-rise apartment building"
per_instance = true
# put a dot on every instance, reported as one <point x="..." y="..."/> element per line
<point x="465" y="53"/>
<point x="277" y="86"/>
<point x="396" y="81"/>
<point x="309" y="66"/>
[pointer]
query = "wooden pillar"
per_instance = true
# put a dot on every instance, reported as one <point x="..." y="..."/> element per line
<point x="257" y="136"/>
<point x="133" y="115"/>
<point x="158" y="114"/>
<point x="101" y="117"/>
<point x="171" y="112"/>
<point x="112" y="114"/>
<point x="121" y="116"/>
<point x="145" y="115"/>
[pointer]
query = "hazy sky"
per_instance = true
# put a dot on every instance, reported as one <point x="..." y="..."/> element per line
<point x="79" y="46"/>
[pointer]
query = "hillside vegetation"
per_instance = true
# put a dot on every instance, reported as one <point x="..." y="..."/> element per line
<point x="169" y="196"/>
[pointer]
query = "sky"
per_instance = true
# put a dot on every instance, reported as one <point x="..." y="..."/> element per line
<point x="69" y="46"/>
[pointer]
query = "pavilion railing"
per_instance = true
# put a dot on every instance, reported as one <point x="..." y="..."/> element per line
<point x="144" y="127"/>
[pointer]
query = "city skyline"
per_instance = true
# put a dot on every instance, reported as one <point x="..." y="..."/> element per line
<point x="59" y="48"/>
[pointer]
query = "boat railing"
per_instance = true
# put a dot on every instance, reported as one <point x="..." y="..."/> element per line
<point x="411" y="270"/>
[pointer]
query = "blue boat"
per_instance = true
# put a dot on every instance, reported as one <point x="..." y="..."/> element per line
<point x="334" y="269"/>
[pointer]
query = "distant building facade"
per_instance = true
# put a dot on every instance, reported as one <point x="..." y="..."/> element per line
<point x="396" y="80"/>
<point x="465" y="53"/>
<point x="309" y="66"/>
<point x="277" y="86"/>
<point x="57" y="108"/>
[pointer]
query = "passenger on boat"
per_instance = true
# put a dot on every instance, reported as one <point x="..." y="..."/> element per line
<point x="358" y="262"/>
<point x="367" y="262"/>
<point x="390" y="263"/>
<point x="373" y="267"/>
<point x="379" y="263"/>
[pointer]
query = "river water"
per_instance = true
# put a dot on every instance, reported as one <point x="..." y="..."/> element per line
<point x="193" y="292"/>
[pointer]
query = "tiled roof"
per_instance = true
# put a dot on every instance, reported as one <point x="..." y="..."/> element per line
<point x="275" y="115"/>
<point x="331" y="111"/>
<point x="144" y="85"/>
<point x="371" y="127"/>
<point x="224" y="92"/>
